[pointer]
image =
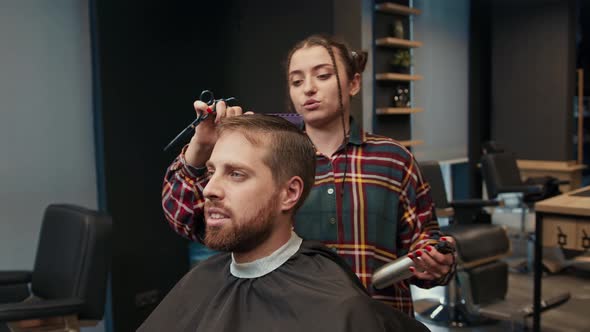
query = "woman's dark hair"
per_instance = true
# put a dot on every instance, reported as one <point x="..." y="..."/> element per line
<point x="354" y="61"/>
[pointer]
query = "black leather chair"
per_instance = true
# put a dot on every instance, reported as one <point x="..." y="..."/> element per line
<point x="467" y="211"/>
<point x="504" y="182"/>
<point x="69" y="280"/>
<point x="482" y="278"/>
<point x="477" y="294"/>
<point x="502" y="175"/>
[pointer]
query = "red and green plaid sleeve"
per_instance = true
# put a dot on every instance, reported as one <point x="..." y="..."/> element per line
<point x="182" y="197"/>
<point x="418" y="227"/>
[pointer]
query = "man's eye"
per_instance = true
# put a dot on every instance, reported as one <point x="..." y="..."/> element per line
<point x="236" y="175"/>
<point x="210" y="172"/>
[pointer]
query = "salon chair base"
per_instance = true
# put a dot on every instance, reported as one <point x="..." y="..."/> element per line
<point x="442" y="314"/>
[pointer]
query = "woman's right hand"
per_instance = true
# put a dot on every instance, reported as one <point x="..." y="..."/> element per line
<point x="205" y="137"/>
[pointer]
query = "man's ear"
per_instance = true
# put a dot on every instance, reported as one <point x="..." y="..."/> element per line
<point x="291" y="193"/>
<point x="355" y="84"/>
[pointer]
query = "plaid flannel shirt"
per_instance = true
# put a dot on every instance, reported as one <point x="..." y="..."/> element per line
<point x="384" y="211"/>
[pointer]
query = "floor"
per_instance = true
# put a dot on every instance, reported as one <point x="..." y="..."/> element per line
<point x="573" y="316"/>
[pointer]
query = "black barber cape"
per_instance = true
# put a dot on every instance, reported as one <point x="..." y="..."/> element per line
<point x="312" y="290"/>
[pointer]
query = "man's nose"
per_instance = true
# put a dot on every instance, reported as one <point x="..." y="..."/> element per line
<point x="212" y="190"/>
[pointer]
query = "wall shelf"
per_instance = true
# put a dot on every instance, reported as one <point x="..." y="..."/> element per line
<point x="397" y="42"/>
<point x="392" y="31"/>
<point x="397" y="110"/>
<point x="397" y="77"/>
<point x="411" y="143"/>
<point x="393" y="8"/>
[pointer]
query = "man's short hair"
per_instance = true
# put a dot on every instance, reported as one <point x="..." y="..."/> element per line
<point x="290" y="152"/>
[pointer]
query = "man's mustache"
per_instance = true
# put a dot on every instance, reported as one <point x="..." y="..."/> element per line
<point x="210" y="204"/>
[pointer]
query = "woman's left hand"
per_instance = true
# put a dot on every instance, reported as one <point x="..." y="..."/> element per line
<point x="431" y="264"/>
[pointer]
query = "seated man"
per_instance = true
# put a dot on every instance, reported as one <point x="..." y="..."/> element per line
<point x="261" y="169"/>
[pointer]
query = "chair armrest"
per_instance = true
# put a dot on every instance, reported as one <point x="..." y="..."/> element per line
<point x="473" y="203"/>
<point x="527" y="189"/>
<point x="39" y="309"/>
<point x="14" y="293"/>
<point x="544" y="180"/>
<point x="15" y="277"/>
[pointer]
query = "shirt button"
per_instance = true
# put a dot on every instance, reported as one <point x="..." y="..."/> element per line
<point x="330" y="191"/>
<point x="332" y="221"/>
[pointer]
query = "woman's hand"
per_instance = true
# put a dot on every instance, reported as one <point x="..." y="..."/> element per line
<point x="205" y="137"/>
<point x="431" y="264"/>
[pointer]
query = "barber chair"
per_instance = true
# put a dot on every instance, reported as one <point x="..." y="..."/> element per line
<point x="468" y="211"/>
<point x="502" y="175"/>
<point x="504" y="182"/>
<point x="67" y="286"/>
<point x="477" y="293"/>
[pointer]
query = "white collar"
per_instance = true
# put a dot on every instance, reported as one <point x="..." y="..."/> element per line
<point x="266" y="265"/>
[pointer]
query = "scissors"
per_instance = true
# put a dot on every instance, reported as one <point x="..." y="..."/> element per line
<point x="208" y="98"/>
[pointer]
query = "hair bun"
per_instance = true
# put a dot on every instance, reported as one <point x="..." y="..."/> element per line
<point x="359" y="60"/>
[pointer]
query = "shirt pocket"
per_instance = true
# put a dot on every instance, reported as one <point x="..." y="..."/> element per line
<point x="317" y="217"/>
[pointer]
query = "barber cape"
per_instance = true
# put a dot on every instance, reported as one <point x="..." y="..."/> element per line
<point x="301" y="287"/>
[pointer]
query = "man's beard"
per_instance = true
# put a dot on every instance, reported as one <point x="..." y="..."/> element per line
<point x="242" y="235"/>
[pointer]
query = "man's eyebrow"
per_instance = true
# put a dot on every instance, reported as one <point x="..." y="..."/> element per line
<point x="314" y="68"/>
<point x="229" y="165"/>
<point x="238" y="165"/>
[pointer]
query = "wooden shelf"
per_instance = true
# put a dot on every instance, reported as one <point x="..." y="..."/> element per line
<point x="397" y="77"/>
<point x="393" y="8"/>
<point x="397" y="110"/>
<point x="411" y="143"/>
<point x="397" y="42"/>
<point x="445" y="213"/>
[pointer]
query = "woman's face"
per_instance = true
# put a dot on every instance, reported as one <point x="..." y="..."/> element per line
<point x="313" y="86"/>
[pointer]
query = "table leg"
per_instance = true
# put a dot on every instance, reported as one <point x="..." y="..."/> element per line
<point x="538" y="272"/>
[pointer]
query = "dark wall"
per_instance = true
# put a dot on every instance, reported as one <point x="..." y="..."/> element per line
<point x="583" y="38"/>
<point x="152" y="60"/>
<point x="533" y="68"/>
<point x="348" y="23"/>
<point x="259" y="35"/>
<point x="479" y="93"/>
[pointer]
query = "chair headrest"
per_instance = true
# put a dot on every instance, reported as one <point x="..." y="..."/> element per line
<point x="73" y="257"/>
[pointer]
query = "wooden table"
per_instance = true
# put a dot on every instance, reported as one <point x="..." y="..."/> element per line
<point x="562" y="170"/>
<point x="566" y="220"/>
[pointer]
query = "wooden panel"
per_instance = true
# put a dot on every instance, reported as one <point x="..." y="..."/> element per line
<point x="393" y="8"/>
<point x="397" y="77"/>
<point x="410" y="143"/>
<point x="533" y="33"/>
<point x="397" y="42"/>
<point x="566" y="204"/>
<point x="445" y="213"/>
<point x="546" y="165"/>
<point x="560" y="232"/>
<point x="583" y="235"/>
<point x="397" y="110"/>
<point x="562" y="170"/>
